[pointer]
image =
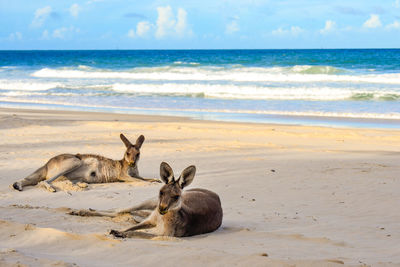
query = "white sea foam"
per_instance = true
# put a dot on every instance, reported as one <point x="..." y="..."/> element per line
<point x="231" y="91"/>
<point x="8" y="67"/>
<point x="84" y="67"/>
<point x="308" y="69"/>
<point x="364" y="115"/>
<point x="186" y="63"/>
<point x="221" y="90"/>
<point x="297" y="74"/>
<point x="26" y="85"/>
<point x="20" y="93"/>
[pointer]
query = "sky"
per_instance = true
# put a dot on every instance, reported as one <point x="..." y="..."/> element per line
<point x="194" y="24"/>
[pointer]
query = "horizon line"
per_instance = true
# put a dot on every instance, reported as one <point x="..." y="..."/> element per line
<point x="191" y="49"/>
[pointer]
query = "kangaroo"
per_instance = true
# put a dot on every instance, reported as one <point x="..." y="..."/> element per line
<point x="88" y="168"/>
<point x="177" y="213"/>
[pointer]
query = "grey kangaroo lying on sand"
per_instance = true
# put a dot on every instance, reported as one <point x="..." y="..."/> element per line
<point x="175" y="213"/>
<point x="88" y="168"/>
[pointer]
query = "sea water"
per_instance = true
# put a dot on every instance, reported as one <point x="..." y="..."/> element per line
<point x="344" y="87"/>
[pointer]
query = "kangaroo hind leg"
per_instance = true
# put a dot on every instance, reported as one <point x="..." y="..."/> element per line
<point x="91" y="212"/>
<point x="149" y="204"/>
<point x="59" y="166"/>
<point x="54" y="168"/>
<point x="32" y="179"/>
<point x="139" y="210"/>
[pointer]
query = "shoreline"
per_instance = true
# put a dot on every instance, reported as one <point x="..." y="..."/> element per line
<point x="269" y="119"/>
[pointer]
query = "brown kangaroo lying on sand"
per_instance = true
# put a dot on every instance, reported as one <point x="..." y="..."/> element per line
<point x="176" y="213"/>
<point x="88" y="168"/>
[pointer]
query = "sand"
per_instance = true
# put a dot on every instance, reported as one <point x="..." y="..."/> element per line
<point x="291" y="195"/>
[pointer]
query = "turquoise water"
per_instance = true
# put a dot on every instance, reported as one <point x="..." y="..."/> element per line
<point x="311" y="87"/>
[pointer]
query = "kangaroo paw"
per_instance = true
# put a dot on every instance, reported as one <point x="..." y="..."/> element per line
<point x="152" y="180"/>
<point x="17" y="186"/>
<point x="81" y="212"/>
<point x="47" y="186"/>
<point x="117" y="234"/>
<point x="138" y="219"/>
<point x="82" y="184"/>
<point x="74" y="212"/>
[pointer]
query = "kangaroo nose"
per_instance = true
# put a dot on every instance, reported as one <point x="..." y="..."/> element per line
<point x="162" y="210"/>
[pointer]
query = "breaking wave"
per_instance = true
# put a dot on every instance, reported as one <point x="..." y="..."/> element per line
<point x="251" y="91"/>
<point x="296" y="74"/>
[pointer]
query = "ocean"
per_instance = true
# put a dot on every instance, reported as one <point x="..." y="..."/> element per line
<point x="338" y="88"/>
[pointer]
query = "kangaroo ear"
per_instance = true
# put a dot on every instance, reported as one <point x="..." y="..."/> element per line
<point x="166" y="173"/>
<point x="139" y="141"/>
<point x="125" y="140"/>
<point x="187" y="176"/>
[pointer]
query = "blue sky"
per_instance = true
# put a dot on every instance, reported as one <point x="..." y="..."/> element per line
<point x="206" y="24"/>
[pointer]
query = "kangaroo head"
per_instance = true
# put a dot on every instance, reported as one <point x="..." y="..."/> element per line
<point x="170" y="193"/>
<point x="132" y="153"/>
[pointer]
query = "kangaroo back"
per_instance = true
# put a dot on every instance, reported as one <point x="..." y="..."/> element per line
<point x="203" y="211"/>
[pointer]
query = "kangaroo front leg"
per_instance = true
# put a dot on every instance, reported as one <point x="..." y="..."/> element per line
<point x="139" y="234"/>
<point x="135" y="179"/>
<point x="143" y="225"/>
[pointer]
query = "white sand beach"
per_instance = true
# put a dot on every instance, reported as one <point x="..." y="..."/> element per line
<point x="291" y="195"/>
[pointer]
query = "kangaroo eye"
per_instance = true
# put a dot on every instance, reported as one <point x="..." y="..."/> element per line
<point x="161" y="193"/>
<point x="176" y="197"/>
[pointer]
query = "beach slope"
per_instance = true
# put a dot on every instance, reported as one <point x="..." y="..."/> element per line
<point x="291" y="195"/>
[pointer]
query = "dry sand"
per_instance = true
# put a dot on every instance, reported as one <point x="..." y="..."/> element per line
<point x="292" y="195"/>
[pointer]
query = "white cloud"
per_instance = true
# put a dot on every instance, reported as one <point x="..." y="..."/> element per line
<point x="64" y="32"/>
<point x="232" y="27"/>
<point x="168" y="25"/>
<point x="60" y="32"/>
<point x="131" y="33"/>
<point x="45" y="35"/>
<point x="397" y="3"/>
<point x="329" y="27"/>
<point x="294" y="31"/>
<point x="15" y="36"/>
<point x="41" y="14"/>
<point x="181" y="26"/>
<point x="279" y="31"/>
<point x="74" y="10"/>
<point x="142" y="28"/>
<point x="165" y="21"/>
<point x="373" y="22"/>
<point x="393" y="26"/>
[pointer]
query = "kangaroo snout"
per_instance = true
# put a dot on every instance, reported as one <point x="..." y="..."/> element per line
<point x="162" y="209"/>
